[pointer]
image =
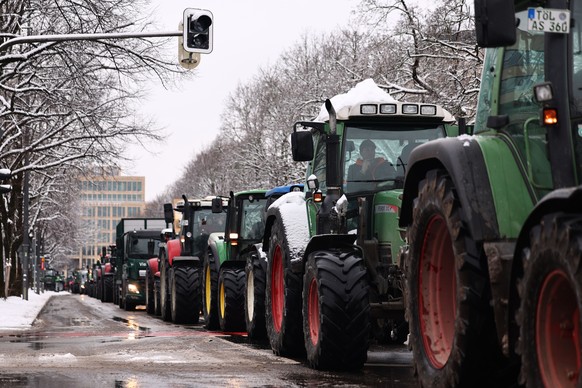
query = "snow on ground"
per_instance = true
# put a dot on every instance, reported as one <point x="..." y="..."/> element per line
<point x="19" y="314"/>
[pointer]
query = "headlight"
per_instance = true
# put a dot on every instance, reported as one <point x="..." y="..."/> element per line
<point x="132" y="288"/>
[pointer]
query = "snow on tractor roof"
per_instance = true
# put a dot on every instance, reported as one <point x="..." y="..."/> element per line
<point x="365" y="91"/>
<point x="367" y="99"/>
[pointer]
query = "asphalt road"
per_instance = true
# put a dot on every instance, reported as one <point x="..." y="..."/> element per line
<point x="78" y="341"/>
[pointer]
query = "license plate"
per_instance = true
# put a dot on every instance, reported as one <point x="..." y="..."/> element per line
<point x="548" y="20"/>
<point x="142" y="273"/>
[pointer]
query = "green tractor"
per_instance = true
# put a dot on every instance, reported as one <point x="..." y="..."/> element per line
<point x="494" y="283"/>
<point x="223" y="279"/>
<point x="334" y="276"/>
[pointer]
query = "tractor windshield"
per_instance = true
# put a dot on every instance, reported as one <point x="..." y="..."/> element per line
<point x="377" y="158"/>
<point x="252" y="219"/>
<point x="205" y="222"/>
<point x="144" y="246"/>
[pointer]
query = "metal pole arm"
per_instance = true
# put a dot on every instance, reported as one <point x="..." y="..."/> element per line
<point x="93" y="37"/>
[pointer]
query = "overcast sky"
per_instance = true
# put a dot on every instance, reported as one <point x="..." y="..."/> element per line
<point x="247" y="35"/>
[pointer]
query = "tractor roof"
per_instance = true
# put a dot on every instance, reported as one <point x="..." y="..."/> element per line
<point x="366" y="99"/>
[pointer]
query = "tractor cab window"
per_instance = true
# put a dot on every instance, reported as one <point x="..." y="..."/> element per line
<point x="205" y="222"/>
<point x="375" y="158"/>
<point x="319" y="162"/>
<point x="252" y="215"/>
<point x="142" y="246"/>
<point x="523" y="67"/>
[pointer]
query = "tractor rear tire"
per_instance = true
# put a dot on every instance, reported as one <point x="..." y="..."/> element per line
<point x="231" y="299"/>
<point x="283" y="297"/>
<point x="108" y="288"/>
<point x="185" y="295"/>
<point x="255" y="279"/>
<point x="210" y="292"/>
<point x="336" y="310"/>
<point x="452" y="331"/>
<point x="551" y="296"/>
<point x="165" y="281"/>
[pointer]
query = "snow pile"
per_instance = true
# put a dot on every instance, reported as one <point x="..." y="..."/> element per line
<point x="294" y="216"/>
<point x="466" y="139"/>
<point x="365" y="91"/>
<point x="17" y="313"/>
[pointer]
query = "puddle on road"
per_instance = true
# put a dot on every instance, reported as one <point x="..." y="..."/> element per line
<point x="32" y="339"/>
<point x="79" y="322"/>
<point x="40" y="380"/>
<point x="138" y="331"/>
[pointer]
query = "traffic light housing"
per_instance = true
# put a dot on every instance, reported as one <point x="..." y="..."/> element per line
<point x="4" y="175"/>
<point x="198" y="28"/>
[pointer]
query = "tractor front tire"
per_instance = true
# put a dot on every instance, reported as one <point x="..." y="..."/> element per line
<point x="149" y="292"/>
<point x="551" y="296"/>
<point x="336" y="310"/>
<point x="185" y="295"/>
<point x="231" y="299"/>
<point x="108" y="288"/>
<point x="283" y="297"/>
<point x="157" y="303"/>
<point x="165" y="281"/>
<point x="255" y="279"/>
<point x="452" y="332"/>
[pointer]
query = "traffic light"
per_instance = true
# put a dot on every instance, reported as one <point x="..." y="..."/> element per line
<point x="5" y="174"/>
<point x="198" y="30"/>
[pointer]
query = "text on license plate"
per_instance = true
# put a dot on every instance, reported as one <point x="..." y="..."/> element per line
<point x="548" y="20"/>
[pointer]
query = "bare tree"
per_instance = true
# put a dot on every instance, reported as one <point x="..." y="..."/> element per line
<point x="66" y="106"/>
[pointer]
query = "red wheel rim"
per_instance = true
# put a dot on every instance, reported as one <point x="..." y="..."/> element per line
<point x="277" y="289"/>
<point x="313" y="312"/>
<point x="558" y="332"/>
<point x="437" y="292"/>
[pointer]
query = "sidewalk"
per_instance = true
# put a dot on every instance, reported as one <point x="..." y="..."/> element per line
<point x="19" y="314"/>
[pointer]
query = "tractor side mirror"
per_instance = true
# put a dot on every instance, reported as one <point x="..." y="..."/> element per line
<point x="217" y="205"/>
<point x="168" y="213"/>
<point x="302" y="146"/>
<point x="495" y="23"/>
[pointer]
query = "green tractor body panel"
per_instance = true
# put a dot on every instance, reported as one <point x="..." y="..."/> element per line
<point x="386" y="209"/>
<point x="220" y="245"/>
<point x="509" y="187"/>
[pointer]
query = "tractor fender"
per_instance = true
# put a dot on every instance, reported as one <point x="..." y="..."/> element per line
<point x="463" y="160"/>
<point x="192" y="261"/>
<point x="326" y="242"/>
<point x="291" y="210"/>
<point x="174" y="249"/>
<point x="153" y="265"/>
<point x="568" y="200"/>
<point x="217" y="245"/>
<point x="233" y="264"/>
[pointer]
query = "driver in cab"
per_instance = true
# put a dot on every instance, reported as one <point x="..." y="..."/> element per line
<point x="369" y="167"/>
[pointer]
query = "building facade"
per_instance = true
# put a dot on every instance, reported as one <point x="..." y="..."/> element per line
<point x="105" y="200"/>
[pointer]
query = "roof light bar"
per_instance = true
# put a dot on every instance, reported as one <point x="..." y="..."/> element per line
<point x="410" y="109"/>
<point x="368" y="109"/>
<point x="388" y="109"/>
<point x="428" y="110"/>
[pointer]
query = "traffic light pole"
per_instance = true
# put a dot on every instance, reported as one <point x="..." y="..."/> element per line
<point x="90" y="37"/>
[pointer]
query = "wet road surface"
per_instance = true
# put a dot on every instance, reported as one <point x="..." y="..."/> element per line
<point x="78" y="341"/>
